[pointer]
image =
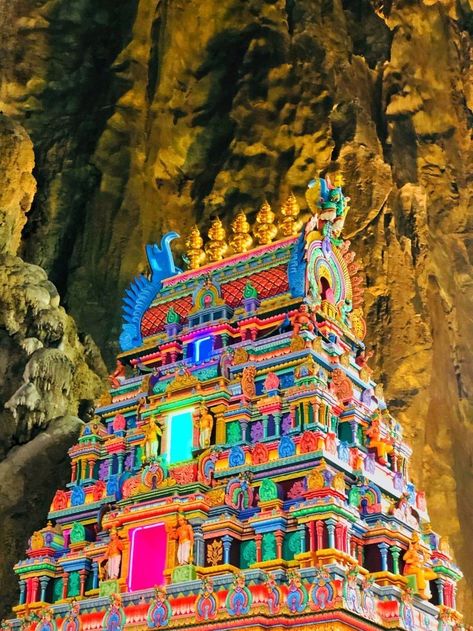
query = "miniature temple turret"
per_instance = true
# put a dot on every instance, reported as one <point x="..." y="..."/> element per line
<point x="241" y="240"/>
<point x="265" y="230"/>
<point x="194" y="252"/>
<point x="216" y="247"/>
<point x="244" y="471"/>
<point x="290" y="225"/>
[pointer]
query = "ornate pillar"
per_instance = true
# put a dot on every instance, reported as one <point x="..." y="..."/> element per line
<point x="227" y="542"/>
<point x="440" y="587"/>
<point x="264" y="420"/>
<point x="73" y="470"/>
<point x="320" y="534"/>
<point x="354" y="432"/>
<point x="383" y="548"/>
<point x="22" y="598"/>
<point x="277" y="425"/>
<point x="279" y="539"/>
<point x="220" y="429"/>
<point x="339" y="536"/>
<point x="259" y="556"/>
<point x="395" y="551"/>
<point x="65" y="581"/>
<point x="301" y="529"/>
<point x="34" y="589"/>
<point x="244" y="427"/>
<point x="331" y="532"/>
<point x="120" y="463"/>
<point x="95" y="575"/>
<point x="315" y="411"/>
<point x="199" y="545"/>
<point x="44" y="580"/>
<point x="312" y="546"/>
<point x="82" y="577"/>
<point x="360" y="554"/>
<point x="90" y="472"/>
<point x="347" y="540"/>
<point x="305" y="421"/>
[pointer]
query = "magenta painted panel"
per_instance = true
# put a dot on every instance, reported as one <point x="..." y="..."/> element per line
<point x="147" y="556"/>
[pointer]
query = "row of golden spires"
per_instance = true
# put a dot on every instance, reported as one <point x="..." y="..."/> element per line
<point x="266" y="228"/>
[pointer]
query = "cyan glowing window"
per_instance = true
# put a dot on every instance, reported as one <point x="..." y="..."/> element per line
<point x="203" y="349"/>
<point x="180" y="436"/>
<point x="147" y="556"/>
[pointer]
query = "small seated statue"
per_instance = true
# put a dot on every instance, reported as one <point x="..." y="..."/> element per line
<point x="382" y="446"/>
<point x="416" y="558"/>
<point x="303" y="319"/>
<point x="118" y="375"/>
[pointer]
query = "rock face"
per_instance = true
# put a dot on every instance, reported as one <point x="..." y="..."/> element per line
<point x="151" y="115"/>
<point x="47" y="374"/>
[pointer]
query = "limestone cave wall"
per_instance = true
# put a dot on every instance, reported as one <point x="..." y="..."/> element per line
<point x="150" y="115"/>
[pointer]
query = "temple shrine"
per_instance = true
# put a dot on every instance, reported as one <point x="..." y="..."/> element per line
<point x="244" y="471"/>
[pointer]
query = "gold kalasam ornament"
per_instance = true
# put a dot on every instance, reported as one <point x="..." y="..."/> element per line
<point x="264" y="229"/>
<point x="217" y="247"/>
<point x="194" y="252"/>
<point x="290" y="225"/>
<point x="241" y="240"/>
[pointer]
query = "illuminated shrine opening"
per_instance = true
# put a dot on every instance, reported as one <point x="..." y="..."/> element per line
<point x="180" y="430"/>
<point x="147" y="556"/>
<point x="201" y="350"/>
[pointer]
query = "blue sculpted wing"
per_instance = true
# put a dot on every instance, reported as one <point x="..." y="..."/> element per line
<point x="142" y="290"/>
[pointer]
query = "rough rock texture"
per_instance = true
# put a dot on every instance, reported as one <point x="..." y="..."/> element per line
<point x="152" y="114"/>
<point x="47" y="374"/>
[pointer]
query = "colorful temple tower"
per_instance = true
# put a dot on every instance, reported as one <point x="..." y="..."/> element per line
<point x="244" y="471"/>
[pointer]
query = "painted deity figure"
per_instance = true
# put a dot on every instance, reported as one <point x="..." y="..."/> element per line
<point x="416" y="558"/>
<point x="248" y="381"/>
<point x="206" y="423"/>
<point x="185" y="540"/>
<point x="118" y="375"/>
<point x="153" y="433"/>
<point x="383" y="448"/>
<point x="303" y="320"/>
<point x="113" y="554"/>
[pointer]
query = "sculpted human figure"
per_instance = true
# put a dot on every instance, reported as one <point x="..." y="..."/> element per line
<point x="303" y="319"/>
<point x="248" y="381"/>
<point x="153" y="432"/>
<point x="416" y="558"/>
<point x="118" y="375"/>
<point x="185" y="540"/>
<point x="383" y="448"/>
<point x="206" y="423"/>
<point x="113" y="554"/>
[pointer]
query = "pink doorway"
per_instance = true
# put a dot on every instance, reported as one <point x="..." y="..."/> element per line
<point x="147" y="556"/>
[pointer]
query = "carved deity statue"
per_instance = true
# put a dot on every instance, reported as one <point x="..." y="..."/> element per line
<point x="153" y="433"/>
<point x="118" y="375"/>
<point x="248" y="381"/>
<point x="416" y="559"/>
<point x="185" y="540"/>
<point x="382" y="446"/>
<point x="303" y="319"/>
<point x="113" y="554"/>
<point x="206" y="423"/>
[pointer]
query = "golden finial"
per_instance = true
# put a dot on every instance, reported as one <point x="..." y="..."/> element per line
<point x="290" y="224"/>
<point x="265" y="230"/>
<point x="241" y="240"/>
<point x="195" y="253"/>
<point x="217" y="246"/>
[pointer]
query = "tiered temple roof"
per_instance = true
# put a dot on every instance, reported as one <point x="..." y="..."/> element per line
<point x="244" y="470"/>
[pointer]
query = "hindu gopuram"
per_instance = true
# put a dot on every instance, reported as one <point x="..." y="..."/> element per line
<point x="244" y="471"/>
